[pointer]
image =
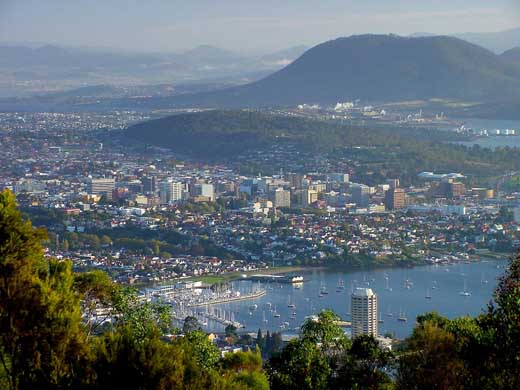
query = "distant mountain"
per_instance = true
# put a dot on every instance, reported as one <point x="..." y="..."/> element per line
<point x="29" y="70"/>
<point x="512" y="55"/>
<point x="497" y="42"/>
<point x="377" y="68"/>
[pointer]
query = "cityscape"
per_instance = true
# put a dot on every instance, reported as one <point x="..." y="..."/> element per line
<point x="342" y="213"/>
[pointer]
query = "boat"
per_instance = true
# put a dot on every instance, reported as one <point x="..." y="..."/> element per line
<point x="465" y="292"/>
<point x="428" y="294"/>
<point x="263" y="317"/>
<point x="253" y="307"/>
<point x="341" y="285"/>
<point x="402" y="317"/>
<point x="380" y="320"/>
<point x="483" y="280"/>
<point x="290" y="304"/>
<point x="323" y="290"/>
<point x="276" y="314"/>
<point x="387" y="288"/>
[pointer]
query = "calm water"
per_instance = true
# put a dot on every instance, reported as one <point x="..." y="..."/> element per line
<point x="490" y="124"/>
<point x="443" y="283"/>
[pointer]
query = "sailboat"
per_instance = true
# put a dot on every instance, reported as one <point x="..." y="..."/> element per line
<point x="341" y="285"/>
<point x="290" y="304"/>
<point x="323" y="289"/>
<point x="483" y="280"/>
<point x="428" y="294"/>
<point x="402" y="317"/>
<point x="380" y="320"/>
<point x="276" y="314"/>
<point x="465" y="292"/>
<point x="263" y="317"/>
<point x="387" y="288"/>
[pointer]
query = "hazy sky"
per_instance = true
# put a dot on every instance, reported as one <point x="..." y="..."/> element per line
<point x="242" y="25"/>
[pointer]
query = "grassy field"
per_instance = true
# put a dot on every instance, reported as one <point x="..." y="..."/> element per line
<point x="214" y="279"/>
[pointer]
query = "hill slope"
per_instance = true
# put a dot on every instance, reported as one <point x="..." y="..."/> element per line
<point x="378" y="67"/>
<point x="512" y="55"/>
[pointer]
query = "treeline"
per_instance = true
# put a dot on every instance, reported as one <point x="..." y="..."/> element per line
<point x="51" y="339"/>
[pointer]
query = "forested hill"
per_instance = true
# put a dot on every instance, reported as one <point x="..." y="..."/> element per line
<point x="377" y="67"/>
<point x="222" y="133"/>
<point x="225" y="135"/>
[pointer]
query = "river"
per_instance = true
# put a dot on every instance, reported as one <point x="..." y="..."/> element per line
<point x="444" y="283"/>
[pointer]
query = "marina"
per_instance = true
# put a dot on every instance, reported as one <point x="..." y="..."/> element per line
<point x="403" y="294"/>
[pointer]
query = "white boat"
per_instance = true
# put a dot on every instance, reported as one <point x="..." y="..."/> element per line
<point x="380" y="320"/>
<point x="402" y="317"/>
<point x="428" y="294"/>
<point x="290" y="304"/>
<point x="276" y="314"/>
<point x="253" y="307"/>
<point x="465" y="292"/>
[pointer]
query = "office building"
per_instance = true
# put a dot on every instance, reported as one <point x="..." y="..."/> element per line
<point x="149" y="184"/>
<point x="171" y="191"/>
<point x="360" y="195"/>
<point x="101" y="187"/>
<point x="280" y="197"/>
<point x="364" y="312"/>
<point x="395" y="199"/>
<point x="309" y="197"/>
<point x="204" y="190"/>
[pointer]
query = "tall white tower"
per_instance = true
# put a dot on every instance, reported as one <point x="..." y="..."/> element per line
<point x="364" y="312"/>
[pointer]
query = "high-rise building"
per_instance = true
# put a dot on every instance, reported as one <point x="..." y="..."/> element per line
<point x="364" y="312"/>
<point x="101" y="187"/>
<point x="171" y="191"/>
<point x="451" y="189"/>
<point x="149" y="184"/>
<point x="360" y="195"/>
<point x="295" y="180"/>
<point x="205" y="189"/>
<point x="339" y="177"/>
<point x="280" y="197"/>
<point x="309" y="197"/>
<point x="395" y="199"/>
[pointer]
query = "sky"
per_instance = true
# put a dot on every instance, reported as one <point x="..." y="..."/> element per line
<point x="240" y="25"/>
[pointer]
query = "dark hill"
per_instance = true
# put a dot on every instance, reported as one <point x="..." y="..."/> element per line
<point x="512" y="55"/>
<point x="381" y="68"/>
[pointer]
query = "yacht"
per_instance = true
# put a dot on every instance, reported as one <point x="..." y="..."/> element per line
<point x="290" y="304"/>
<point x="428" y="294"/>
<point x="465" y="292"/>
<point x="402" y="317"/>
<point x="276" y="314"/>
<point x="380" y="320"/>
<point x="253" y="307"/>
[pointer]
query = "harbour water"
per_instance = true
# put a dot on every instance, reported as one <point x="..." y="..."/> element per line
<point x="492" y="142"/>
<point x="401" y="291"/>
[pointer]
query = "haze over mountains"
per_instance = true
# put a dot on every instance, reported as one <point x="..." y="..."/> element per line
<point x="498" y="42"/>
<point x="29" y="70"/>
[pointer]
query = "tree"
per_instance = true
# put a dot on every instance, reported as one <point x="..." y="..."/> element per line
<point x="42" y="341"/>
<point x="97" y="291"/>
<point x="191" y="324"/>
<point x="205" y="353"/>
<point x="300" y="365"/>
<point x="363" y="366"/>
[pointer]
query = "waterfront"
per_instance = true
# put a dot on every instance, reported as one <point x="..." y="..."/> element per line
<point x="444" y="283"/>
